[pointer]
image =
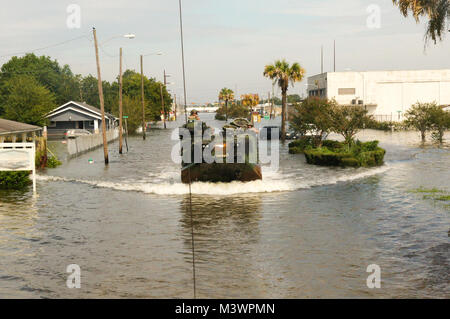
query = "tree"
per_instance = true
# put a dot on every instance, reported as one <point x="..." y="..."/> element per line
<point x="48" y="73"/>
<point x="314" y="114"/>
<point x="294" y="98"/>
<point x="348" y="120"/>
<point x="152" y="94"/>
<point x="283" y="73"/>
<point x="437" y="12"/>
<point x="226" y="95"/>
<point x="249" y="100"/>
<point x="439" y="122"/>
<point x="419" y="117"/>
<point x="27" y="101"/>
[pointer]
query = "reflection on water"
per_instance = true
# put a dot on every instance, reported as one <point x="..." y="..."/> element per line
<point x="303" y="231"/>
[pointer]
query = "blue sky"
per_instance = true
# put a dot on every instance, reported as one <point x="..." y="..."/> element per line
<point x="227" y="42"/>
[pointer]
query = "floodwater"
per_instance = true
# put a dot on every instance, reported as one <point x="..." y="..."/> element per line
<point x="301" y="232"/>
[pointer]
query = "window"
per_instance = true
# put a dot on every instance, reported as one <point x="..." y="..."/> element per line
<point x="52" y="124"/>
<point x="346" y="91"/>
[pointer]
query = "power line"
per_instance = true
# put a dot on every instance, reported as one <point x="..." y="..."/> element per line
<point x="46" y="47"/>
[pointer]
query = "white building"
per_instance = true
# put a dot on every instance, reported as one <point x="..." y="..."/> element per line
<point x="387" y="95"/>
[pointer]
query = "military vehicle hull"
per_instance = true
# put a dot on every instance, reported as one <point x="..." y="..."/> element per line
<point x="221" y="172"/>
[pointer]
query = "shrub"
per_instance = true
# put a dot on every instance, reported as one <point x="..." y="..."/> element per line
<point x="340" y="154"/>
<point x="53" y="162"/>
<point x="298" y="146"/>
<point x="14" y="180"/>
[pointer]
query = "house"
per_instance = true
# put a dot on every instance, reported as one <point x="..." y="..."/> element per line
<point x="386" y="95"/>
<point x="13" y="131"/>
<point x="77" y="115"/>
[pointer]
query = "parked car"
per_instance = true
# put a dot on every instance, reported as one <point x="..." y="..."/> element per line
<point x="74" y="133"/>
<point x="292" y="135"/>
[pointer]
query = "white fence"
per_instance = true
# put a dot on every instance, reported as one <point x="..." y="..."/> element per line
<point x="82" y="144"/>
<point x="18" y="157"/>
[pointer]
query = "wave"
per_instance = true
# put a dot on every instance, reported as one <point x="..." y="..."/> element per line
<point x="272" y="182"/>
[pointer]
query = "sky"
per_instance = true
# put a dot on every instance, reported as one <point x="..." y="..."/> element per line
<point x="227" y="42"/>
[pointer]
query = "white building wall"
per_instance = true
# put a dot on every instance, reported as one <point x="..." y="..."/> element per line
<point x="389" y="93"/>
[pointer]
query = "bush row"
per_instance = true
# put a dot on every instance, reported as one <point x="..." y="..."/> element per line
<point x="334" y="153"/>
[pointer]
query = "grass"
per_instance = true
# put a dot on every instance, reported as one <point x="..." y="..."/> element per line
<point x="434" y="194"/>
<point x="433" y="190"/>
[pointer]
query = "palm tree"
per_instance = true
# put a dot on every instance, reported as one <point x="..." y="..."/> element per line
<point x="438" y="12"/>
<point x="226" y="95"/>
<point x="283" y="73"/>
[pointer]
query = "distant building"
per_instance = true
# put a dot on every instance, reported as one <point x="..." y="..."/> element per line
<point x="77" y="115"/>
<point x="387" y="95"/>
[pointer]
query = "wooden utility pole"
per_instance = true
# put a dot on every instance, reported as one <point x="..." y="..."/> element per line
<point x="102" y="102"/>
<point x="142" y="97"/>
<point x="162" y="98"/>
<point x="162" y="105"/>
<point x="120" y="105"/>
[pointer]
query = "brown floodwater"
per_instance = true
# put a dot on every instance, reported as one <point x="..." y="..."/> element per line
<point x="301" y="232"/>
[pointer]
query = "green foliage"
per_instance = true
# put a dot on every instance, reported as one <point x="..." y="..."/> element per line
<point x="437" y="12"/>
<point x="53" y="162"/>
<point x="26" y="100"/>
<point x="132" y="106"/>
<point x="434" y="194"/>
<point x="334" y="153"/>
<point x="299" y="146"/>
<point x="152" y="95"/>
<point x="234" y="111"/>
<point x="294" y="98"/>
<point x="440" y="122"/>
<point x="14" y="180"/>
<point x="283" y="73"/>
<point x="419" y="117"/>
<point x="314" y="114"/>
<point x="348" y="120"/>
<point x="48" y="84"/>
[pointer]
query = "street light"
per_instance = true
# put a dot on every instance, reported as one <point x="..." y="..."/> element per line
<point x="128" y="36"/>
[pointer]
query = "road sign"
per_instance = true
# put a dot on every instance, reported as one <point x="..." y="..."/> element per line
<point x="125" y="116"/>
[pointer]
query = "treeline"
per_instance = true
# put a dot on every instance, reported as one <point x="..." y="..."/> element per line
<point x="31" y="86"/>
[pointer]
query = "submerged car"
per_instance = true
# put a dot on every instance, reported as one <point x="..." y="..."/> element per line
<point x="74" y="133"/>
<point x="225" y="167"/>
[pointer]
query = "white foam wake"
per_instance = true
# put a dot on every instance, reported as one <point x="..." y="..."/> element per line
<point x="271" y="183"/>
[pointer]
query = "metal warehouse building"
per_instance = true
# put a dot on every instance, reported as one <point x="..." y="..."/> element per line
<point x="387" y="95"/>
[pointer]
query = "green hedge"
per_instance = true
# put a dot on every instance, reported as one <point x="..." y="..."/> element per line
<point x="334" y="153"/>
<point x="14" y="180"/>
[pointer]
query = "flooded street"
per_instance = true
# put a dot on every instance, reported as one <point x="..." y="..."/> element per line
<point x="302" y="232"/>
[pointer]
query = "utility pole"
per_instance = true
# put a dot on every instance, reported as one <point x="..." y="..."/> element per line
<point x="102" y="102"/>
<point x="120" y="105"/>
<point x="162" y="105"/>
<point x="144" y="127"/>
<point x="162" y="97"/>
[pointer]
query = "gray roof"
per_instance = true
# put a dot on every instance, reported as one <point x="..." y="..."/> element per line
<point x="80" y="105"/>
<point x="8" y="127"/>
<point x="93" y="108"/>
